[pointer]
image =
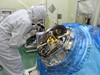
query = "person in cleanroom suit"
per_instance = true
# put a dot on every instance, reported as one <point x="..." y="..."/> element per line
<point x="14" y="31"/>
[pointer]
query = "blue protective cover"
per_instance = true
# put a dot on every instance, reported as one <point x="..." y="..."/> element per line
<point x="84" y="57"/>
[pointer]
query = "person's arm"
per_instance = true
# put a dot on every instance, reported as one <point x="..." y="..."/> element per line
<point x="19" y="36"/>
<point x="31" y="33"/>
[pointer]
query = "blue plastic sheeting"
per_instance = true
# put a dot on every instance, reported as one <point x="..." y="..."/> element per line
<point x="95" y="33"/>
<point x="84" y="57"/>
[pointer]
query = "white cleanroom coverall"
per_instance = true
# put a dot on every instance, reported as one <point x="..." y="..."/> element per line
<point x="13" y="34"/>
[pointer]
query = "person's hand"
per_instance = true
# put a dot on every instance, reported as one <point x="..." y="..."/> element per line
<point x="33" y="32"/>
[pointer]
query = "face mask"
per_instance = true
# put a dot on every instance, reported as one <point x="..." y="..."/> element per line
<point x="35" y="20"/>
